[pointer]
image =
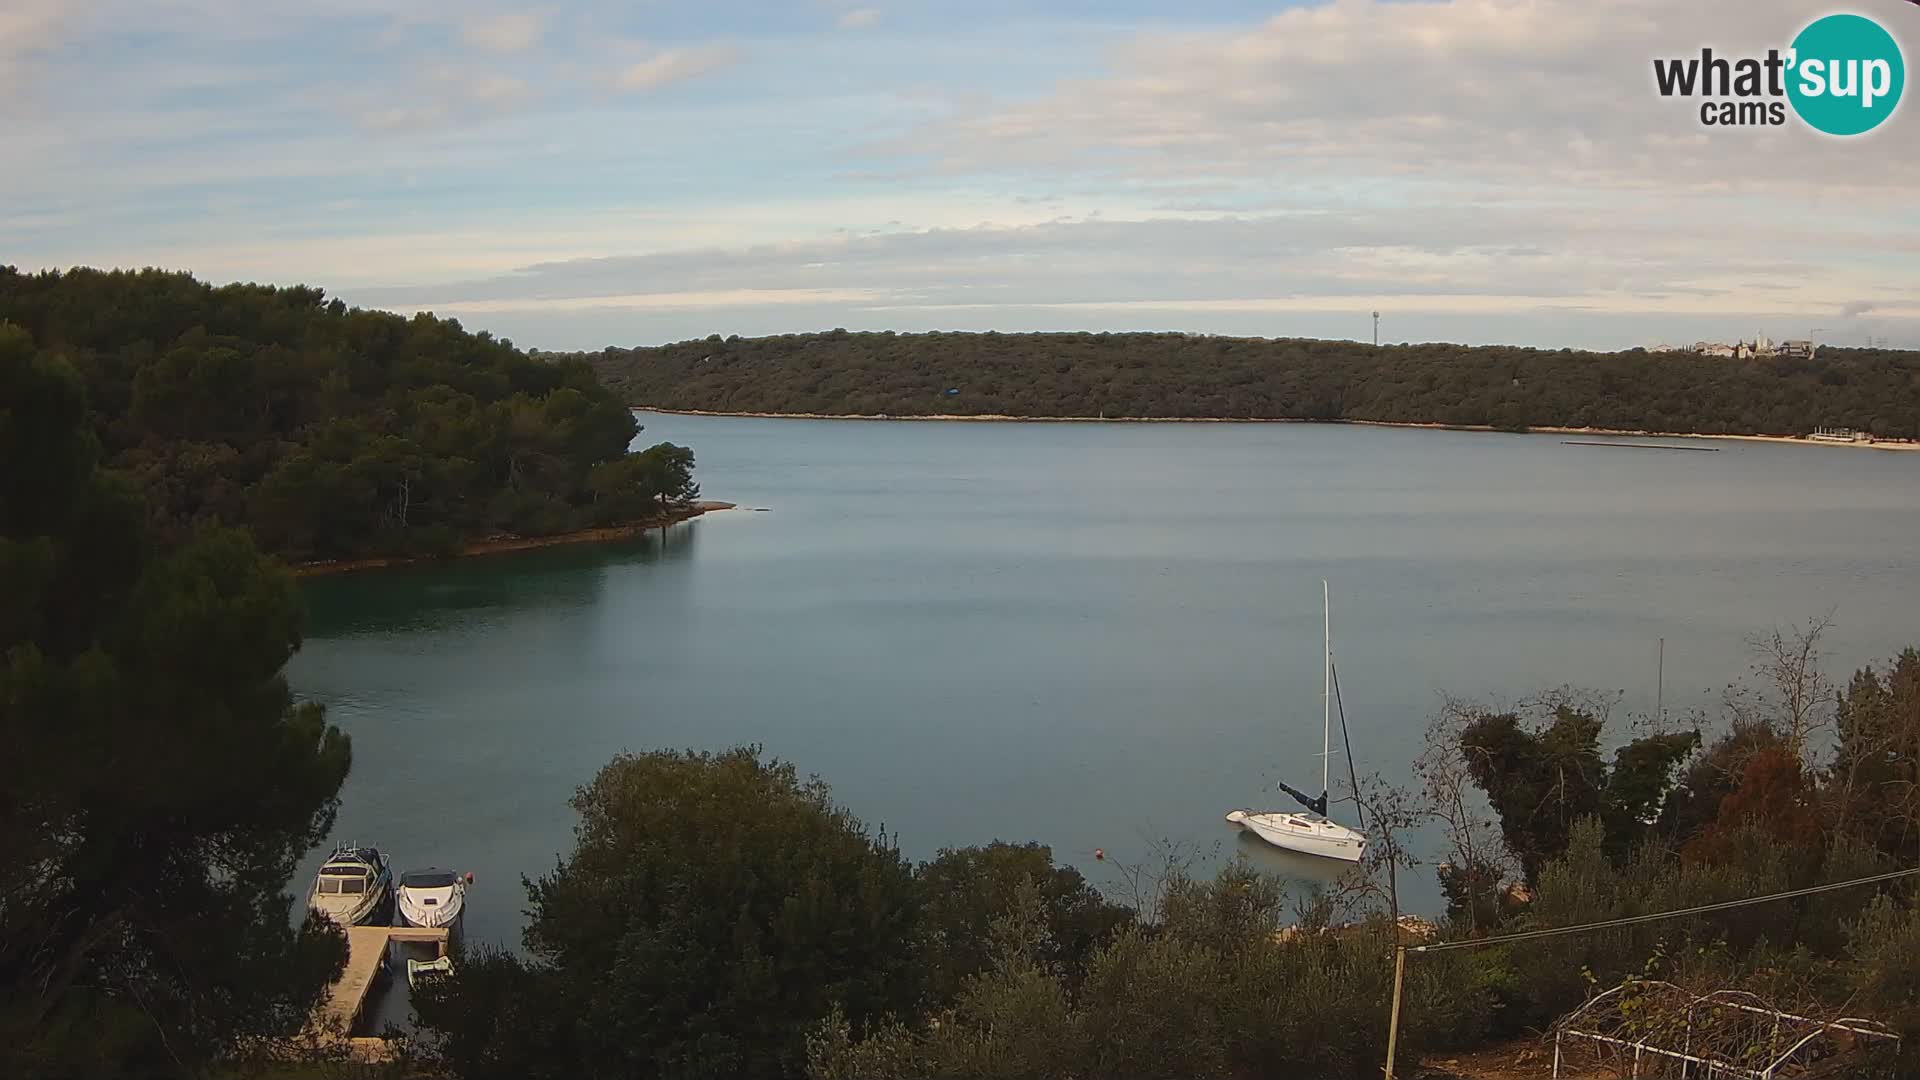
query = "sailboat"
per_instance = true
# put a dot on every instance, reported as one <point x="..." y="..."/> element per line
<point x="1313" y="832"/>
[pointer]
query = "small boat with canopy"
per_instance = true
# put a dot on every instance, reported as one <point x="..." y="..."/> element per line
<point x="351" y="885"/>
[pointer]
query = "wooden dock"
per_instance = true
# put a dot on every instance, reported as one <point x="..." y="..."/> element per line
<point x="367" y="946"/>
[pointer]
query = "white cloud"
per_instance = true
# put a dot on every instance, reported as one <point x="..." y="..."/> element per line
<point x="1502" y="164"/>
<point x="670" y="66"/>
<point x="28" y="28"/>
<point x="444" y="96"/>
<point x="1509" y="260"/>
<point x="859" y="18"/>
<point x="661" y="301"/>
<point x="1514" y="91"/>
<point x="506" y="33"/>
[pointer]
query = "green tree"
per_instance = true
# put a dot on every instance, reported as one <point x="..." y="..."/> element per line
<point x="643" y="484"/>
<point x="714" y="909"/>
<point x="330" y="432"/>
<point x="1875" y="776"/>
<point x="1542" y="777"/>
<point x="962" y="892"/>
<point x="157" y="783"/>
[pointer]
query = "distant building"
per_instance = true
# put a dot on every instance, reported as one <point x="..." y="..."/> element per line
<point x="1840" y="434"/>
<point x="1761" y="346"/>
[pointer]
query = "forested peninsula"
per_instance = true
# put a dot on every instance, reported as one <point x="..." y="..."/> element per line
<point x="1167" y="375"/>
<point x="329" y="432"/>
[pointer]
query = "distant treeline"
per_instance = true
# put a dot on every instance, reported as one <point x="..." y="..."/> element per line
<point x="332" y="432"/>
<point x="1176" y="375"/>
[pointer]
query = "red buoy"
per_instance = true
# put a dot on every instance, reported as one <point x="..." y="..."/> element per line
<point x="1100" y="854"/>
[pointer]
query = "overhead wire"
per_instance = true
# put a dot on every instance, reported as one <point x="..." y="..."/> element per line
<point x="1636" y="920"/>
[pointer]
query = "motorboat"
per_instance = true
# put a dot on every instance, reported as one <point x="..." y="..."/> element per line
<point x="430" y="898"/>
<point x="1312" y="832"/>
<point x="352" y="885"/>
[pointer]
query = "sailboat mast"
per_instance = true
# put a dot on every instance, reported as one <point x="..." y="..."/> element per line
<point x="1326" y="687"/>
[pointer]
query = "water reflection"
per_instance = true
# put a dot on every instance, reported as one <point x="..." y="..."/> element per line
<point x="1307" y="871"/>
<point x="435" y="596"/>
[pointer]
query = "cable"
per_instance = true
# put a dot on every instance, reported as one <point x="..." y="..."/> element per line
<point x="1635" y="920"/>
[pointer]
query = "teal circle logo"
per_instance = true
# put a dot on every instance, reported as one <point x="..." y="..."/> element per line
<point x="1846" y="76"/>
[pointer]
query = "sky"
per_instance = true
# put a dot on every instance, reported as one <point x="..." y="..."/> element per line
<point x="579" y="175"/>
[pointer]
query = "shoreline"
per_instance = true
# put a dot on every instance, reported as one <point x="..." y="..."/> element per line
<point x="1000" y="418"/>
<point x="502" y="545"/>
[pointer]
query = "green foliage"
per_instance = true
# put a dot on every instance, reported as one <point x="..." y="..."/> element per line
<point x="1177" y="375"/>
<point x="1875" y="777"/>
<point x="157" y="783"/>
<point x="328" y="432"/>
<point x="1884" y="944"/>
<point x="1540" y="779"/>
<point x="962" y="892"/>
<point x="643" y="483"/>
<point x="1584" y="885"/>
<point x="1212" y="990"/>
<point x="714" y="909"/>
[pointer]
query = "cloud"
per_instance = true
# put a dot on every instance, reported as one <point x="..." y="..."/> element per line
<point x="1504" y="166"/>
<point x="1506" y="261"/>
<point x="27" y="28"/>
<point x="859" y="18"/>
<point x="670" y="66"/>
<point x="661" y="301"/>
<point x="505" y="33"/>
<point x="445" y="96"/>
<point x="1511" y="91"/>
<point x="1854" y="308"/>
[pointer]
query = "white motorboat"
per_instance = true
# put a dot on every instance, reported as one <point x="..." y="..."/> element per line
<point x="351" y="885"/>
<point x="431" y="898"/>
<point x="1313" y="832"/>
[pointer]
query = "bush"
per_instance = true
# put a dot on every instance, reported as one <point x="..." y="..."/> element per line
<point x="1214" y="989"/>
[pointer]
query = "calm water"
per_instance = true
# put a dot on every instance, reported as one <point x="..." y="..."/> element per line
<point x="1087" y="635"/>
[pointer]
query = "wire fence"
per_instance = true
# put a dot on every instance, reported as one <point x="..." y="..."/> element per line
<point x="1401" y="952"/>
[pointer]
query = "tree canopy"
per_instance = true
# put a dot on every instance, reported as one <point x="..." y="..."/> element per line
<point x="157" y="782"/>
<point x="1180" y="375"/>
<point x="1543" y="778"/>
<point x="332" y="432"/>
<point x="714" y="908"/>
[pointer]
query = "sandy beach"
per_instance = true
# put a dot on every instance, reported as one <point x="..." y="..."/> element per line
<point x="1790" y="440"/>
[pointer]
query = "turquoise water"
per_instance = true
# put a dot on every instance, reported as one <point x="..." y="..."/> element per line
<point x="1091" y="635"/>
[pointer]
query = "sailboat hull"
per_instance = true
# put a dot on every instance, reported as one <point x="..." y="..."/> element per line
<point x="1308" y="834"/>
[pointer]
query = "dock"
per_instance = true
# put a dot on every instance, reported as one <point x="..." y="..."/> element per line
<point x="367" y="946"/>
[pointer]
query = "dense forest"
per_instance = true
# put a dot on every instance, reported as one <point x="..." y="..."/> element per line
<point x="1179" y="375"/>
<point x="157" y="780"/>
<point x="332" y="432"/>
